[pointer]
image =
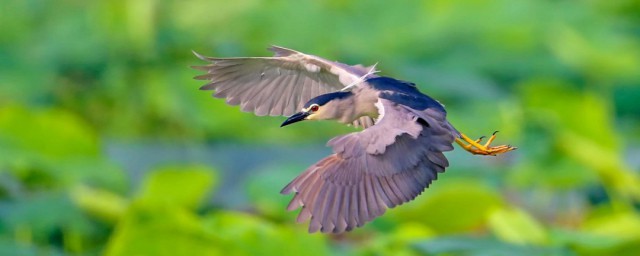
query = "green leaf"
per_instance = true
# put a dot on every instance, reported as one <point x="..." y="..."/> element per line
<point x="580" y="122"/>
<point x="473" y="246"/>
<point x="39" y="217"/>
<point x="451" y="206"/>
<point x="102" y="203"/>
<point x="246" y="234"/>
<point x="163" y="214"/>
<point x="50" y="133"/>
<point x="170" y="230"/>
<point x="179" y="186"/>
<point x="516" y="226"/>
<point x="397" y="241"/>
<point x="622" y="225"/>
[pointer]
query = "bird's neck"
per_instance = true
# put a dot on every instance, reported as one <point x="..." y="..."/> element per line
<point x="363" y="104"/>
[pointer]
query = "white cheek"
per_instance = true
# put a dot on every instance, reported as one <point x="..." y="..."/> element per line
<point x="311" y="117"/>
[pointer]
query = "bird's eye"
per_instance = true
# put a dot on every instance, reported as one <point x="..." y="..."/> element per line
<point x="314" y="108"/>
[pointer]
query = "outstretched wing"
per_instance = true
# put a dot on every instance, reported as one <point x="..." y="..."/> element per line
<point x="380" y="167"/>
<point x="278" y="85"/>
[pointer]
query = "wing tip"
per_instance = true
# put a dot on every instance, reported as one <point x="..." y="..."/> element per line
<point x="200" y="56"/>
<point x="280" y="51"/>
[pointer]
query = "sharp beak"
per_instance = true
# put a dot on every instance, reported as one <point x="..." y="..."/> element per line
<point x="297" y="117"/>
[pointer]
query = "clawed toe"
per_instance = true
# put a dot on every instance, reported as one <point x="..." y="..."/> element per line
<point x="474" y="146"/>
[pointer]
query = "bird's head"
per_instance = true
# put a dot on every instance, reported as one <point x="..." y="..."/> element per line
<point x="324" y="107"/>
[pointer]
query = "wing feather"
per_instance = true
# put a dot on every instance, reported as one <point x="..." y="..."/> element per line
<point x="381" y="167"/>
<point x="292" y="78"/>
<point x="363" y="210"/>
<point x="352" y="210"/>
<point x="341" y="211"/>
<point x="379" y="188"/>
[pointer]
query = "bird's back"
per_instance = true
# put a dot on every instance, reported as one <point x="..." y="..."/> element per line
<point x="404" y="93"/>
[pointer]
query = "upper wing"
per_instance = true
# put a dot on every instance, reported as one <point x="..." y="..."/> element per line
<point x="383" y="166"/>
<point x="278" y="85"/>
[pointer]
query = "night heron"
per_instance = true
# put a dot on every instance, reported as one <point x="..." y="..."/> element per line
<point x="391" y="161"/>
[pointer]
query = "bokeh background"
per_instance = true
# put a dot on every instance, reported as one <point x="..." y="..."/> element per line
<point x="108" y="147"/>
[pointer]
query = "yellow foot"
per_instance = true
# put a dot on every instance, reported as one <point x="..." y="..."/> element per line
<point x="476" y="148"/>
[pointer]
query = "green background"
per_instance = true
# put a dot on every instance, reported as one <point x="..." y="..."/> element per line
<point x="108" y="147"/>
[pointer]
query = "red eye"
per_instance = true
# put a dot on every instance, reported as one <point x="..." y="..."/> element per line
<point x="314" y="108"/>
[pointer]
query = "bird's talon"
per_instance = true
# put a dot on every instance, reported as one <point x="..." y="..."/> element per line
<point x="474" y="147"/>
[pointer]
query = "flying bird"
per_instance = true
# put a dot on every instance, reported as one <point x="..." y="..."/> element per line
<point x="396" y="155"/>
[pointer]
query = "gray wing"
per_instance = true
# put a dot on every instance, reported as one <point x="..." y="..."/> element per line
<point x="380" y="167"/>
<point x="278" y="85"/>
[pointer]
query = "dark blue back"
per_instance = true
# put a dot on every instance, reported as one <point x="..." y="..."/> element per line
<point x="404" y="93"/>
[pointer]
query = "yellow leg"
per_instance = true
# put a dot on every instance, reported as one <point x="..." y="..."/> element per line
<point x="476" y="148"/>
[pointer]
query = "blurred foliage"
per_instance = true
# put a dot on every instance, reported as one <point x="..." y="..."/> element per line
<point x="560" y="79"/>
